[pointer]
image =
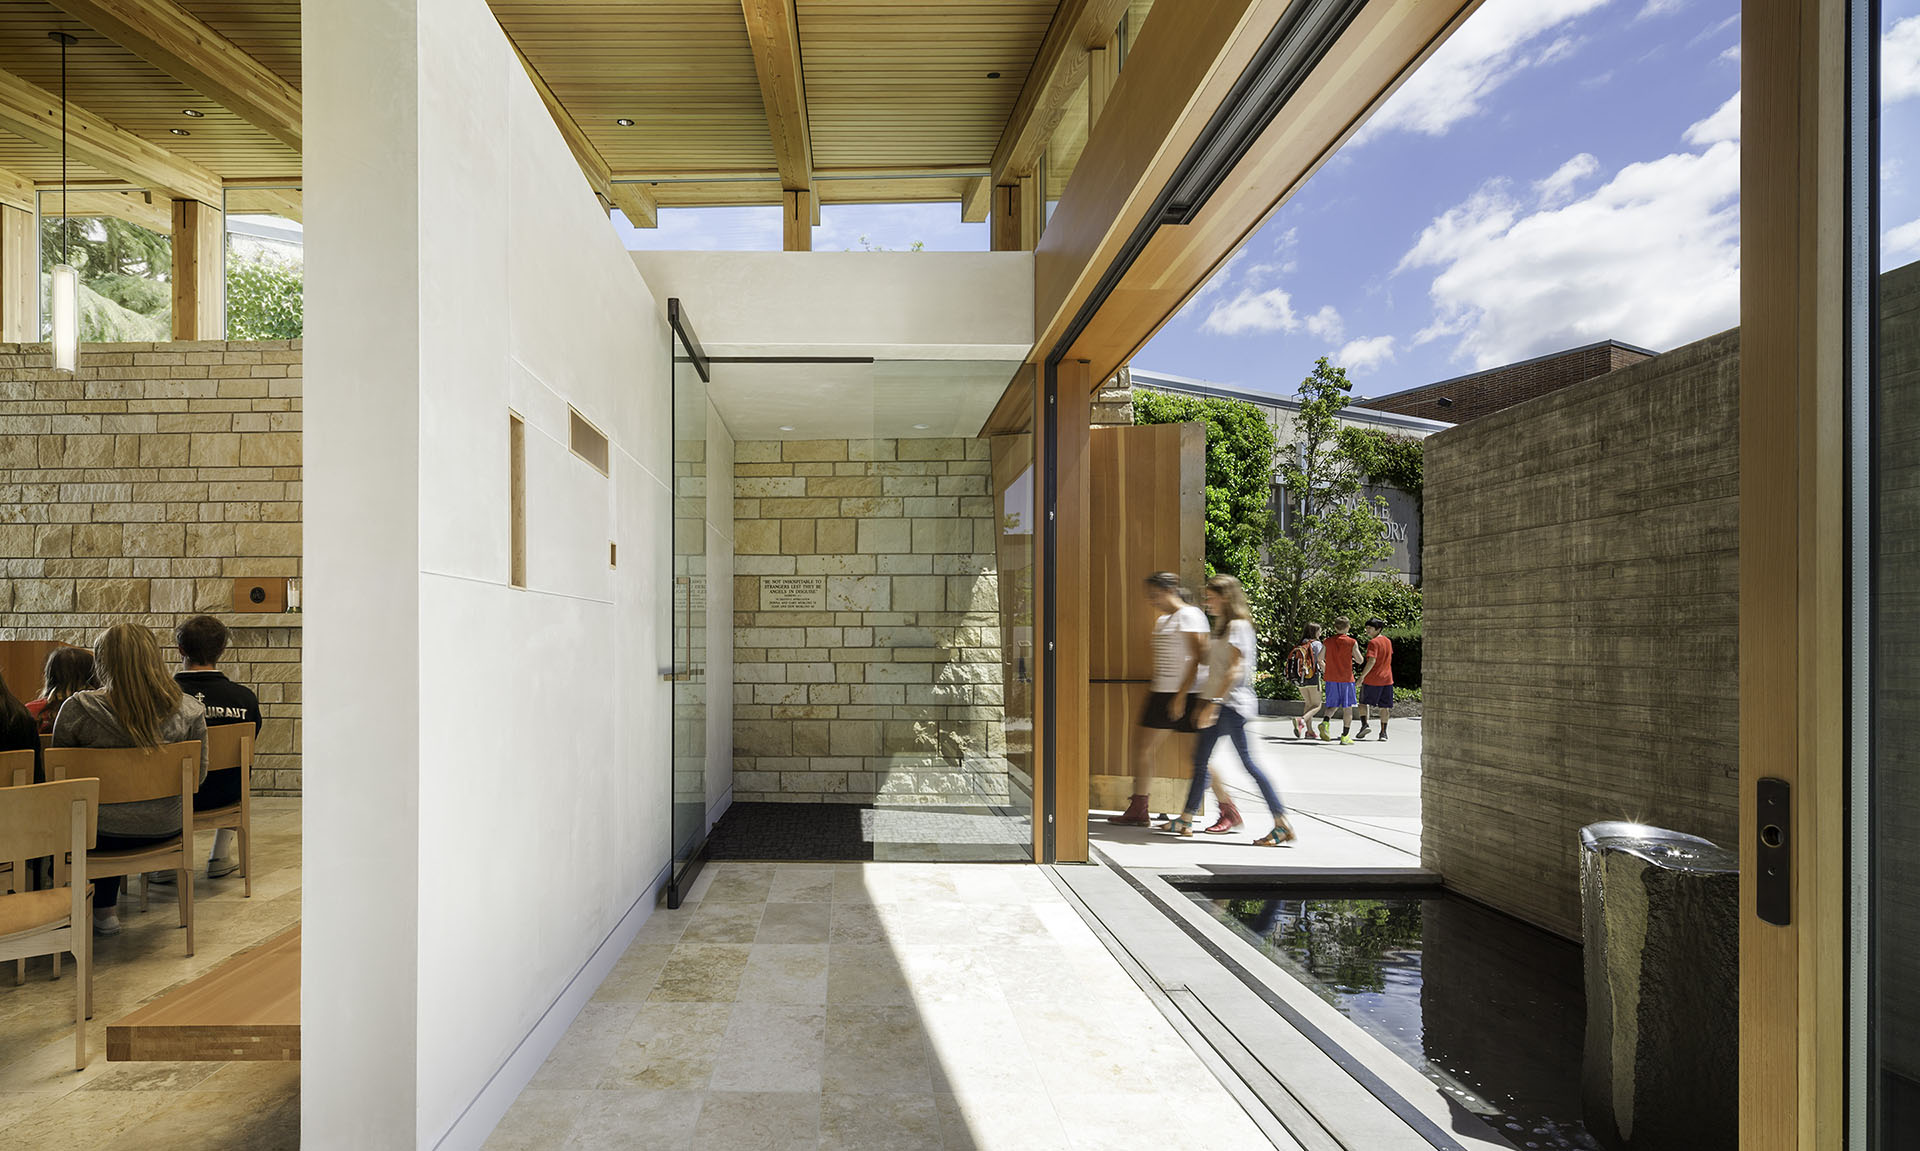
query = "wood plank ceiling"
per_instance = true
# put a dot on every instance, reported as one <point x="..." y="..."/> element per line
<point x="901" y="99"/>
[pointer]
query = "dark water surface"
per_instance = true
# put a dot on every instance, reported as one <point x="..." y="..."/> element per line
<point x="1492" y="1010"/>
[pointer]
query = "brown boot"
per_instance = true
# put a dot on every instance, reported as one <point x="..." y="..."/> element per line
<point x="1136" y="814"/>
<point x="1228" y="821"/>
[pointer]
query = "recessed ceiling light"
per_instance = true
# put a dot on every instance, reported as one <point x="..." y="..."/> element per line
<point x="993" y="75"/>
<point x="624" y="122"/>
<point x="786" y="427"/>
<point x="920" y="427"/>
<point x="194" y="112"/>
<point x="180" y="131"/>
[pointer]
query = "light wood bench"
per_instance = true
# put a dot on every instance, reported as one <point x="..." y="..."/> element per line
<point x="248" y="1008"/>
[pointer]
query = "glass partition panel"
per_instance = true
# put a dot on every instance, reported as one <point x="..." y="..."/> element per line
<point x="266" y="263"/>
<point x="882" y="607"/>
<point x="121" y="243"/>
<point x="689" y="612"/>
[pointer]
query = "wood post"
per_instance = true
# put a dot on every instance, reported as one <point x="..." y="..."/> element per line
<point x="1793" y="621"/>
<point x="1016" y="215"/>
<point x="1063" y="577"/>
<point x="19" y="281"/>
<point x="796" y="224"/>
<point x="1103" y="69"/>
<point x="199" y="272"/>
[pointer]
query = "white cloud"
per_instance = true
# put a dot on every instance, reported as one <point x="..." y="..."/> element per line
<point x="1555" y="189"/>
<point x="1724" y="124"/>
<point x="1650" y="257"/>
<point x="1654" y="8"/>
<point x="1900" y="243"/>
<point x="1488" y="50"/>
<point x="1732" y="54"/>
<point x="1326" y="323"/>
<point x="1253" y="311"/>
<point x="1365" y="355"/>
<point x="1900" y="61"/>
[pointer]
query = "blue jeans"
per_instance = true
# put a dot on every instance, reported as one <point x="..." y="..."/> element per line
<point x="1232" y="725"/>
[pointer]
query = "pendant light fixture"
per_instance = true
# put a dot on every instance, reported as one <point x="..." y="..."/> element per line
<point x="64" y="283"/>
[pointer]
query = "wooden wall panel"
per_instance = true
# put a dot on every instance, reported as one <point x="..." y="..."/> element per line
<point x="1581" y="621"/>
<point x="1067" y="453"/>
<point x="1147" y="501"/>
<point x="19" y="278"/>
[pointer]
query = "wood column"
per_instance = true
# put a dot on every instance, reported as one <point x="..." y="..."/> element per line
<point x="199" y="272"/>
<point x="1793" y="625"/>
<point x="796" y="224"/>
<point x="19" y="285"/>
<point x="1015" y="217"/>
<point x="1062" y="581"/>
<point x="1103" y="70"/>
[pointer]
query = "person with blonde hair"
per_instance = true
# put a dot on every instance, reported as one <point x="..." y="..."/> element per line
<point x="138" y="704"/>
<point x="1226" y="704"/>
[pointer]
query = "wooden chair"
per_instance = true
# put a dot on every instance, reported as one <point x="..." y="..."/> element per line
<point x="231" y="745"/>
<point x="16" y="770"/>
<point x="53" y="819"/>
<point x="130" y="775"/>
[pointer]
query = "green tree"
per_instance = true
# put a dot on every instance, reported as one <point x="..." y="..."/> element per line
<point x="264" y="299"/>
<point x="1240" y="451"/>
<point x="124" y="269"/>
<point x="1332" y="534"/>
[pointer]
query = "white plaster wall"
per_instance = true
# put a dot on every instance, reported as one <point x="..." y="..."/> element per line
<point x="524" y="764"/>
<point x="719" y="615"/>
<point x="362" y="657"/>
<point x="890" y="305"/>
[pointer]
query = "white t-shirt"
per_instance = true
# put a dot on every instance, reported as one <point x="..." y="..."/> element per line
<point x="1171" y="645"/>
<point x="1220" y="651"/>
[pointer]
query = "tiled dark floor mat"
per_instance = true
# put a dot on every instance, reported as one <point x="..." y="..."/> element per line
<point x="836" y="832"/>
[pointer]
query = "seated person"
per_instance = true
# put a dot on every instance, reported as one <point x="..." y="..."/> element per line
<point x="202" y="640"/>
<point x="19" y="732"/>
<point x="68" y="670"/>
<point x="137" y="705"/>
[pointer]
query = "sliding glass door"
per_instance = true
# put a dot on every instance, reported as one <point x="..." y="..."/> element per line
<point x="688" y="667"/>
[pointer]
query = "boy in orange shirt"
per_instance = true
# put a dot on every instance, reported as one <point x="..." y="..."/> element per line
<point x="1340" y="664"/>
<point x="1376" y="679"/>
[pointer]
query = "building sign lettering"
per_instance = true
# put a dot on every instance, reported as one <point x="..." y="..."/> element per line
<point x="793" y="593"/>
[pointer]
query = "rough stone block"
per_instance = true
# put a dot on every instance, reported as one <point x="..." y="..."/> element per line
<point x="758" y="487"/>
<point x="796" y="537"/>
<point x="931" y="536"/>
<point x="165" y="539"/>
<point x="41" y="596"/>
<point x="832" y="537"/>
<point x="745" y="563"/>
<point x="270" y="449"/>
<point x="906" y="565"/>
<point x="102" y="539"/>
<point x="266" y="539"/>
<point x="808" y="509"/>
<point x="870" y="449"/>
<point x="879" y="536"/>
<point x="111" y="596"/>
<point x="808" y="451"/>
<point x="963" y="485"/>
<point x="932" y="507"/>
<point x="835" y="565"/>
<point x="870" y="507"/>
<point x="858" y="593"/>
<point x="934" y="449"/>
<point x="756" y="537"/>
<point x="919" y="593"/>
<point x="839" y="486"/>
<point x="756" y="452"/>
<point x="910" y="485"/>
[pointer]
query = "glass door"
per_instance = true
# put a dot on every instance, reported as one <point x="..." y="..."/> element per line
<point x="688" y="670"/>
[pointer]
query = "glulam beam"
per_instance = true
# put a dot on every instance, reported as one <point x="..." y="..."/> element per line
<point x="773" y="31"/>
<point x="32" y="112"/>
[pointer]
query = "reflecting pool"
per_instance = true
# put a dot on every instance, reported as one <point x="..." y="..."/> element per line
<point x="1490" y="1009"/>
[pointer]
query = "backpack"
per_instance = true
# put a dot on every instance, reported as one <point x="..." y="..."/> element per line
<point x="1300" y="667"/>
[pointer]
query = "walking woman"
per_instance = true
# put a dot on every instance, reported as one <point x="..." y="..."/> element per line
<point x="1226" y="704"/>
<point x="1179" y="660"/>
<point x="138" y="705"/>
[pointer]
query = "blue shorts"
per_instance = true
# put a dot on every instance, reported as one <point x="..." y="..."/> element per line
<point x="1377" y="695"/>
<point x="1340" y="695"/>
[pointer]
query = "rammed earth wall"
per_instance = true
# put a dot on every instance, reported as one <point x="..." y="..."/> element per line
<point x="866" y="623"/>
<point x="1582" y="647"/>
<point x="140" y="488"/>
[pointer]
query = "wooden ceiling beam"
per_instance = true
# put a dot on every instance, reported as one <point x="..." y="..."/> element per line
<point x="1058" y="68"/>
<point x="16" y="191"/>
<point x="32" y="112"/>
<point x="773" y="31"/>
<point x="180" y="44"/>
<point x="285" y="202"/>
<point x="134" y="205"/>
<point x="632" y="199"/>
<point x="976" y="202"/>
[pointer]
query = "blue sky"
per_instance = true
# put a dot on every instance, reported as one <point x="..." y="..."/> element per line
<point x="1560" y="172"/>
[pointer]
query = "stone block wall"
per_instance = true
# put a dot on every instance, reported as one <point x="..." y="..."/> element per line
<point x="140" y="487"/>
<point x="867" y="661"/>
<point x="1582" y="651"/>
